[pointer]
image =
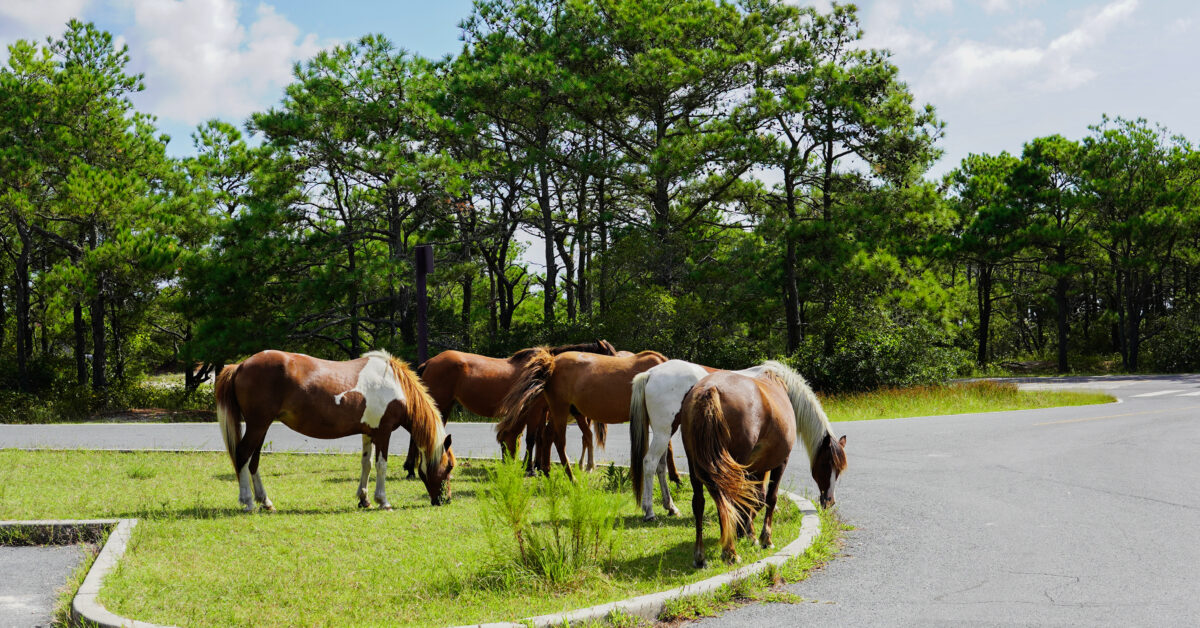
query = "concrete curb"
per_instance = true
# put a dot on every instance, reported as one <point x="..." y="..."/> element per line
<point x="649" y="606"/>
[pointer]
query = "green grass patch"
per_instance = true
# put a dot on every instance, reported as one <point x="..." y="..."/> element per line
<point x="195" y="560"/>
<point x="966" y="398"/>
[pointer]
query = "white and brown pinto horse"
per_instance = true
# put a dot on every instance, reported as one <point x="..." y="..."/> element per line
<point x="738" y="433"/>
<point x="372" y="396"/>
<point x="658" y="394"/>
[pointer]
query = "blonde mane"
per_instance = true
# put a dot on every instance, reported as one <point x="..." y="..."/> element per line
<point x="811" y="422"/>
<point x="426" y="428"/>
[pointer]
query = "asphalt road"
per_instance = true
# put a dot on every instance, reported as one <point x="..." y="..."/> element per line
<point x="29" y="581"/>
<point x="1068" y="516"/>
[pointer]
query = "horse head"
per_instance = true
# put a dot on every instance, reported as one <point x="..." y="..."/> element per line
<point x="435" y="470"/>
<point x="827" y="466"/>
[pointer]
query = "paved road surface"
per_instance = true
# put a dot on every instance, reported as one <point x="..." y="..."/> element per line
<point x="29" y="581"/>
<point x="1068" y="516"/>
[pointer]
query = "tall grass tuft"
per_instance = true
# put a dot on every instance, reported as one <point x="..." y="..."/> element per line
<point x="560" y="528"/>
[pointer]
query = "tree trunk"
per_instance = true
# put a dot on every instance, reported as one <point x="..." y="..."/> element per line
<point x="549" y="288"/>
<point x="99" y="354"/>
<point x="352" y="296"/>
<point x="21" y="278"/>
<point x="1060" y="305"/>
<point x="80" y="344"/>
<point x="791" y="298"/>
<point x="602" y="219"/>
<point x="984" y="299"/>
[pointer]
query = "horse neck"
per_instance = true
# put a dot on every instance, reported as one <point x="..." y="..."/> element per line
<point x="811" y="422"/>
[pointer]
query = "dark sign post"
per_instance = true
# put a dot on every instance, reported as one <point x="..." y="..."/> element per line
<point x="424" y="266"/>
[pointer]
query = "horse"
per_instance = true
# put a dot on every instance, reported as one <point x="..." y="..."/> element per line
<point x="738" y="434"/>
<point x="372" y="396"/>
<point x="479" y="383"/>
<point x="597" y="386"/>
<point x="657" y="396"/>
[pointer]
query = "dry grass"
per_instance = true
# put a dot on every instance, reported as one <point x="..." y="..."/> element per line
<point x="965" y="398"/>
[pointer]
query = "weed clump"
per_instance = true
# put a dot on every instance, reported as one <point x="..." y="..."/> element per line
<point x="560" y="528"/>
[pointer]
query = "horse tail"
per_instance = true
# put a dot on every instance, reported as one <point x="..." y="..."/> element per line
<point x="530" y="383"/>
<point x="421" y="368"/>
<point x="711" y="459"/>
<point x="229" y="413"/>
<point x="639" y="432"/>
<point x="601" y="433"/>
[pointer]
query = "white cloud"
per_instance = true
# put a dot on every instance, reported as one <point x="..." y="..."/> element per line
<point x="20" y="17"/>
<point x="970" y="66"/>
<point x="1023" y="32"/>
<point x="934" y="6"/>
<point x="1004" y="6"/>
<point x="1181" y="25"/>
<point x="201" y="62"/>
<point x="882" y="29"/>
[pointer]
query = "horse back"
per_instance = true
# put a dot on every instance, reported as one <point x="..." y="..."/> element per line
<point x="301" y="392"/>
<point x="599" y="386"/>
<point x="478" y="382"/>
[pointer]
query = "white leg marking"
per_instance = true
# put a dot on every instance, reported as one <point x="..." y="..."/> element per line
<point x="244" y="496"/>
<point x="380" y="476"/>
<point x="667" y="502"/>
<point x="260" y="493"/>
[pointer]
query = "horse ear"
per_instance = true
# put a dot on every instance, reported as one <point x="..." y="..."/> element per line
<point x="446" y="445"/>
<point x="842" y="441"/>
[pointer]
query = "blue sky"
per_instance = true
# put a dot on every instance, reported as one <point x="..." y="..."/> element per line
<point x="1000" y="72"/>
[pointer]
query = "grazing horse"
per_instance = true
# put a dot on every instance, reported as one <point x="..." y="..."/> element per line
<point x="597" y="386"/>
<point x="480" y="383"/>
<point x="738" y="433"/>
<point x="658" y="395"/>
<point x="372" y="396"/>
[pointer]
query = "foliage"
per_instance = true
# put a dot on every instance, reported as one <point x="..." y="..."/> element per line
<point x="580" y="521"/>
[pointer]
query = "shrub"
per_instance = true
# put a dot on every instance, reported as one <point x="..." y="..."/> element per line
<point x="560" y="528"/>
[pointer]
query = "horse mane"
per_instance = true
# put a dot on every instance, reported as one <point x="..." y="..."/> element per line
<point x="530" y="383"/>
<point x="426" y="430"/>
<point x="649" y="353"/>
<point x="811" y="422"/>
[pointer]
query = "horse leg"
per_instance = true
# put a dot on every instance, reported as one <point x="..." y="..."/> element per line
<point x="249" y="446"/>
<point x="366" y="472"/>
<point x="560" y="443"/>
<point x="661" y="472"/>
<point x="650" y="465"/>
<point x="585" y="431"/>
<point x="410" y="462"/>
<point x="698" y="514"/>
<point x="260" y="493"/>
<point x="381" y="451"/>
<point x="671" y="470"/>
<point x="772" y="493"/>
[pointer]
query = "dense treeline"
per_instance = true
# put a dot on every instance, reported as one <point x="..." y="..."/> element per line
<point x="720" y="182"/>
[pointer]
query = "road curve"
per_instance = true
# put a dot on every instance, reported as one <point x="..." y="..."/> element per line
<point x="1066" y="516"/>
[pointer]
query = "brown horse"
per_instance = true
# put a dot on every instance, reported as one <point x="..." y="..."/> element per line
<point x="372" y="396"/>
<point x="596" y="386"/>
<point x="480" y="383"/>
<point x="738" y="433"/>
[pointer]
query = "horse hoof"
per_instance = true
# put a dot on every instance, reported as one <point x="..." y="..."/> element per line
<point x="268" y="507"/>
<point x="247" y="509"/>
<point x="768" y="545"/>
<point x="648" y="518"/>
<point x="387" y="507"/>
<point x="732" y="558"/>
<point x="673" y="512"/>
<point x="699" y="564"/>
<point x="362" y="503"/>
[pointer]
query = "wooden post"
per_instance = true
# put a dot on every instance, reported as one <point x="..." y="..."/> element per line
<point x="424" y="266"/>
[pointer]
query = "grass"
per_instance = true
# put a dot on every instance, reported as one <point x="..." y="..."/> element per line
<point x="966" y="398"/>
<point x="195" y="560"/>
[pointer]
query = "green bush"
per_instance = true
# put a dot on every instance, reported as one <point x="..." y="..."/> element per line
<point x="560" y="528"/>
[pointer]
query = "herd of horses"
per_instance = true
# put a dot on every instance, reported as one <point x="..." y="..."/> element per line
<point x="738" y="427"/>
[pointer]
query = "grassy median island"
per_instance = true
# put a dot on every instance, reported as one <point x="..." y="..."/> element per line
<point x="195" y="560"/>
<point x="964" y="398"/>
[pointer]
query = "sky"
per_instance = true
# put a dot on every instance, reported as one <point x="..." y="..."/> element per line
<point x="999" y="72"/>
